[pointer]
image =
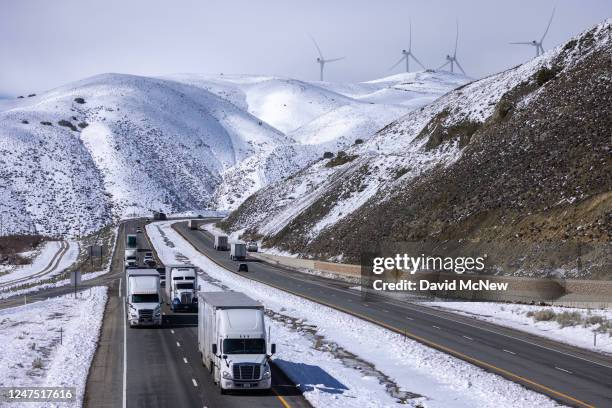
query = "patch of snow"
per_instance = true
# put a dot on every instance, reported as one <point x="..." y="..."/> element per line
<point x="442" y="380"/>
<point x="31" y="352"/>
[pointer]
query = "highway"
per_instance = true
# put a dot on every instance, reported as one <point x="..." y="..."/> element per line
<point x="162" y="365"/>
<point x="570" y="375"/>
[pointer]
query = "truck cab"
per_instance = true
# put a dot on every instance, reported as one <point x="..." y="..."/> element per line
<point x="181" y="282"/>
<point x="143" y="298"/>
<point x="232" y="341"/>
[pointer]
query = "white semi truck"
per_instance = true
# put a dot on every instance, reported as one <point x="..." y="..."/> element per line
<point x="238" y="251"/>
<point x="220" y="242"/>
<point x="143" y="298"/>
<point x="194" y="224"/>
<point x="180" y="287"/>
<point x="232" y="341"/>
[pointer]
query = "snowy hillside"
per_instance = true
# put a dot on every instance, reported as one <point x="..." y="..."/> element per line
<point x="75" y="157"/>
<point x="463" y="155"/>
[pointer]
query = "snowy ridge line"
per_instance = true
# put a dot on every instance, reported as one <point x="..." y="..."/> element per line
<point x="53" y="264"/>
<point x="406" y="333"/>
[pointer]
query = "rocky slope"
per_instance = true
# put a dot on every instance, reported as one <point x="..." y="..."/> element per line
<point x="518" y="159"/>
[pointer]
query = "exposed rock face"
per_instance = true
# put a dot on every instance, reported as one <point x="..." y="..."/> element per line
<point x="535" y="165"/>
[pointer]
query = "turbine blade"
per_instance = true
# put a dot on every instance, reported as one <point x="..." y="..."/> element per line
<point x="397" y="63"/>
<point x="410" y="39"/>
<point x="417" y="61"/>
<point x="456" y="39"/>
<point x="317" y="46"/>
<point x="335" y="59"/>
<point x="526" y="43"/>
<point x="457" y="62"/>
<point x="443" y="65"/>
<point x="548" y="26"/>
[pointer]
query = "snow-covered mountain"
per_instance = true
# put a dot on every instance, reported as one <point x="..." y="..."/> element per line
<point x="107" y="146"/>
<point x="497" y="158"/>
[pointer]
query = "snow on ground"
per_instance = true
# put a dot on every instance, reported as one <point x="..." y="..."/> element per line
<point x="31" y="352"/>
<point x="48" y="285"/>
<point x="45" y="282"/>
<point x="42" y="260"/>
<point x="441" y="380"/>
<point x="516" y="316"/>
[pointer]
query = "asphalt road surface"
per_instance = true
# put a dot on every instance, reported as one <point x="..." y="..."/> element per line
<point x="162" y="365"/>
<point x="573" y="376"/>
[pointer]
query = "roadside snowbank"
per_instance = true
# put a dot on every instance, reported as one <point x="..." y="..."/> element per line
<point x="442" y="380"/>
<point x="42" y="260"/>
<point x="31" y="352"/>
<point x="576" y="332"/>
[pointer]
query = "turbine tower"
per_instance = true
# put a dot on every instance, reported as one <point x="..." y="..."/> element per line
<point x="452" y="59"/>
<point x="322" y="61"/>
<point x="539" y="49"/>
<point x="406" y="55"/>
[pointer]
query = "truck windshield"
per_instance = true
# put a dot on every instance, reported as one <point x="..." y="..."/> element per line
<point x="145" y="298"/>
<point x="244" y="346"/>
<point x="188" y="285"/>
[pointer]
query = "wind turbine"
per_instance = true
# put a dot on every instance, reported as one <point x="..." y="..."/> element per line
<point x="452" y="60"/>
<point x="538" y="44"/>
<point x="322" y="61"/>
<point x="406" y="55"/>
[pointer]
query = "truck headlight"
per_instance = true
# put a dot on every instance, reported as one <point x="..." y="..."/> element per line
<point x="227" y="375"/>
<point x="157" y="311"/>
<point x="266" y="372"/>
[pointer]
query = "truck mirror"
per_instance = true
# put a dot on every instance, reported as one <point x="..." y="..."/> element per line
<point x="214" y="349"/>
<point x="273" y="348"/>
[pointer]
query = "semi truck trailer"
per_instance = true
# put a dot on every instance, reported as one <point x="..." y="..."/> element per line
<point x="131" y="241"/>
<point x="220" y="243"/>
<point x="194" y="224"/>
<point x="180" y="285"/>
<point x="143" y="298"/>
<point x="232" y="341"/>
<point x="238" y="251"/>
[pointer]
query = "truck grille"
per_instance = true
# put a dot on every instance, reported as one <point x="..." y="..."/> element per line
<point x="186" y="298"/>
<point x="247" y="371"/>
<point x="145" y="314"/>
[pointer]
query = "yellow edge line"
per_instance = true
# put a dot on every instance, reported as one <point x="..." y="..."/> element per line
<point x="409" y="334"/>
<point x="281" y="399"/>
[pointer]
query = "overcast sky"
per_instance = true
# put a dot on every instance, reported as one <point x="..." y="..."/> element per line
<point x="48" y="43"/>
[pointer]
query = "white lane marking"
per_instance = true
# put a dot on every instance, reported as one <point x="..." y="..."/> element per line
<point x="435" y="327"/>
<point x="442" y="316"/>
<point x="385" y="310"/>
<point x="409" y="318"/>
<point x="185" y="360"/>
<point x="120" y="280"/>
<point x="124" y="355"/>
<point x="563" y="369"/>
<point x="509" y="352"/>
<point x="172" y="331"/>
<point x="195" y="384"/>
<point x="178" y="344"/>
<point x="475" y="326"/>
<point x="467" y="337"/>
